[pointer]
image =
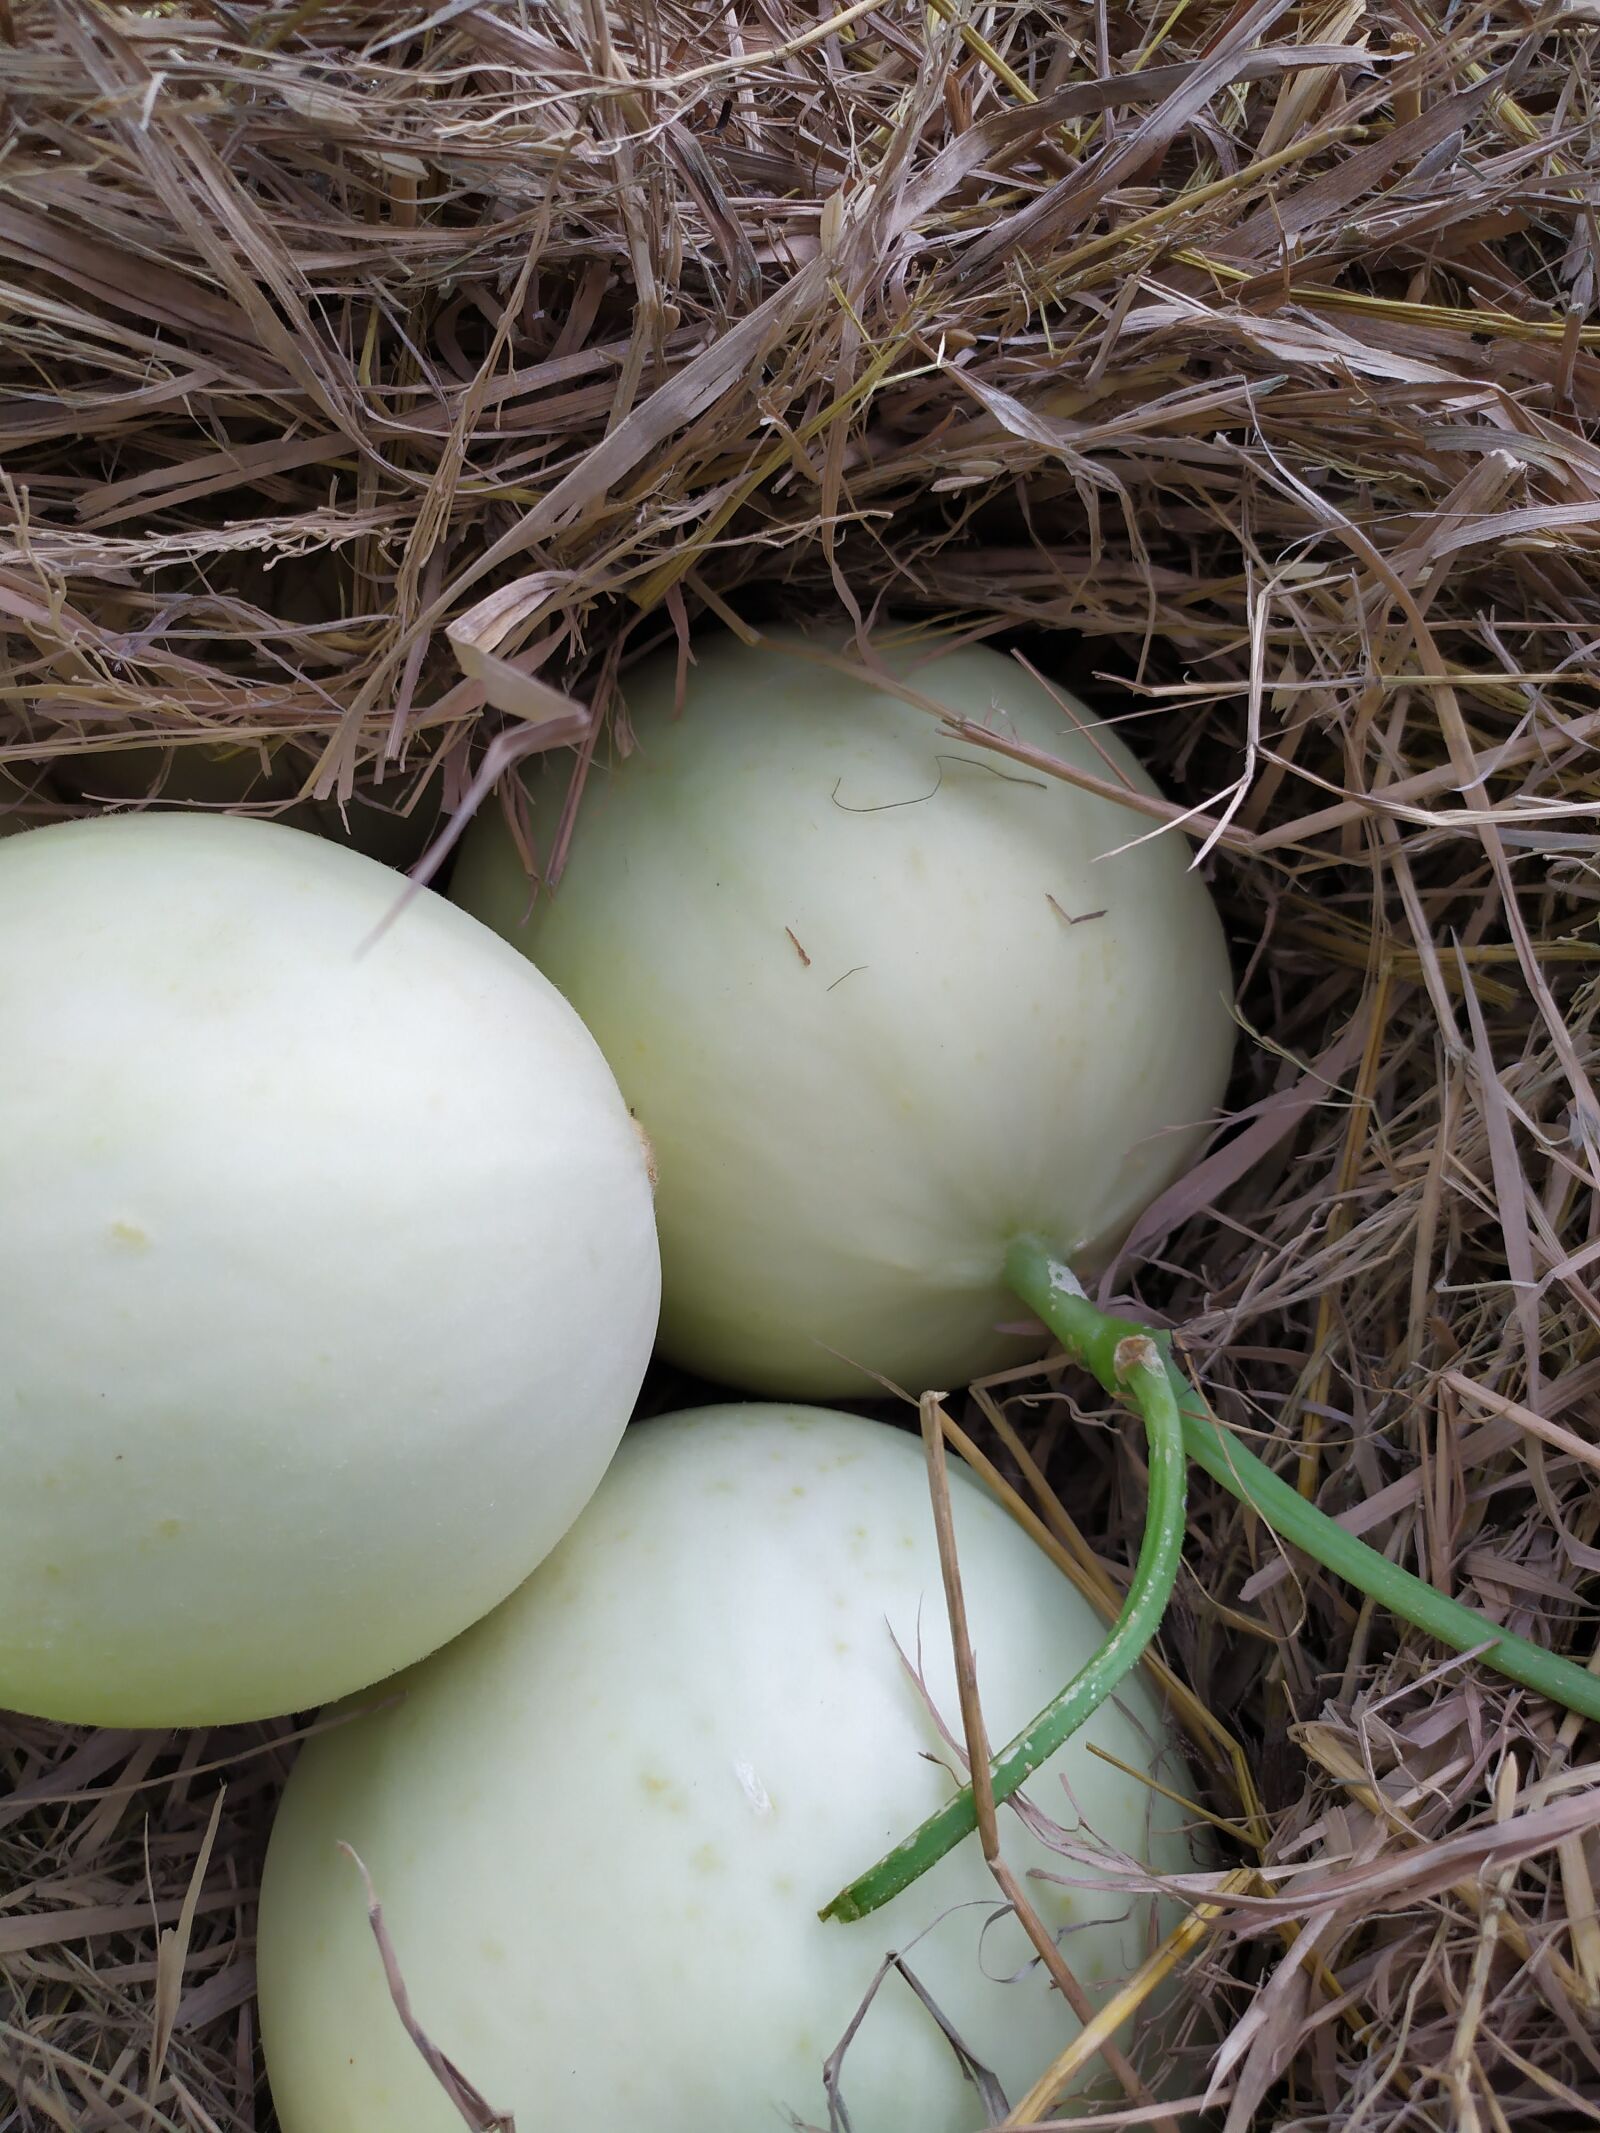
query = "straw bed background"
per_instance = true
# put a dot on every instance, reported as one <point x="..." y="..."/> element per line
<point x="378" y="380"/>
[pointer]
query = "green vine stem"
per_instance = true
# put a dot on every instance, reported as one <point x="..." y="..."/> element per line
<point x="1091" y="1336"/>
<point x="1138" y="1373"/>
<point x="1105" y="1346"/>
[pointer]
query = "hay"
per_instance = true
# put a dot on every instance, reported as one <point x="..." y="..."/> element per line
<point x="379" y="378"/>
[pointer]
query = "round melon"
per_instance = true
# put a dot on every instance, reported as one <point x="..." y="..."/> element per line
<point x="328" y="1271"/>
<point x="883" y="998"/>
<point x="601" y="1824"/>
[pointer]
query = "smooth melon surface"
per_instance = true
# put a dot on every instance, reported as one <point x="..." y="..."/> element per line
<point x="602" y="1822"/>
<point x="882" y="998"/>
<point x="328" y="1272"/>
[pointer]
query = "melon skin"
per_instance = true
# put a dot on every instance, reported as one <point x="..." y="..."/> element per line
<point x="601" y="1824"/>
<point x="328" y="1271"/>
<point x="884" y="1000"/>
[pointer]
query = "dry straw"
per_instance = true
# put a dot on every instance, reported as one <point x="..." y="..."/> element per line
<point x="379" y="380"/>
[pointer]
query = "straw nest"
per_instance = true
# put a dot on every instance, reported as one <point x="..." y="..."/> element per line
<point x="379" y="380"/>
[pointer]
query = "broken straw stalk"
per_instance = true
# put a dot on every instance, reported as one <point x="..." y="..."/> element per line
<point x="1136" y="1365"/>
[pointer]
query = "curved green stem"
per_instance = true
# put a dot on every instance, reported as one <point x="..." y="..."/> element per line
<point x="1091" y="1336"/>
<point x="1140" y="1375"/>
<point x="1135" y="1365"/>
